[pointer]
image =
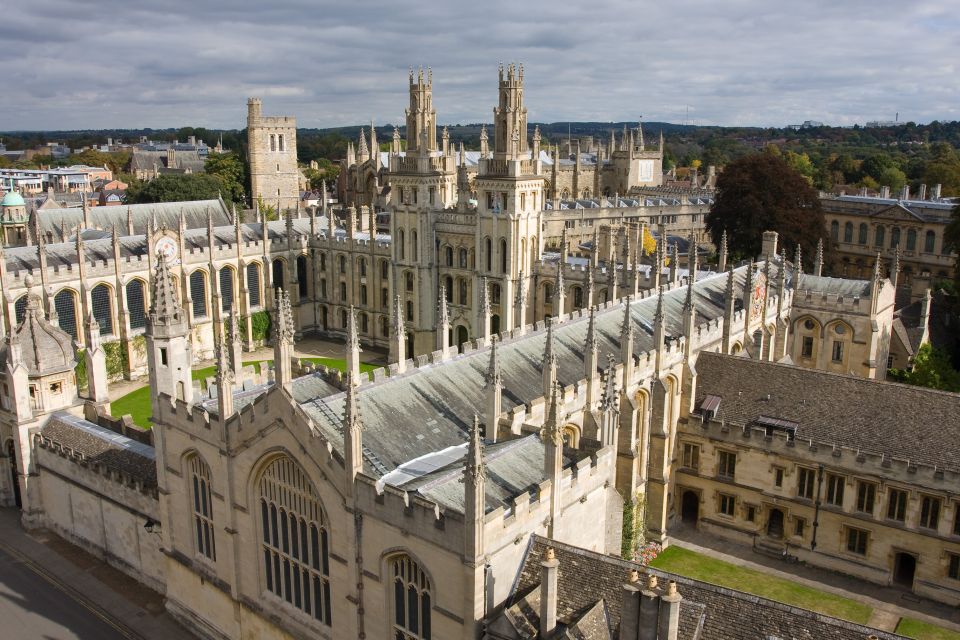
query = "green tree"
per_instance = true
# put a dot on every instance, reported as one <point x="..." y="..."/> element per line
<point x="801" y="163"/>
<point x="951" y="239"/>
<point x="893" y="178"/>
<point x="176" y="188"/>
<point x="943" y="168"/>
<point x="932" y="369"/>
<point x="761" y="192"/>
<point x="232" y="172"/>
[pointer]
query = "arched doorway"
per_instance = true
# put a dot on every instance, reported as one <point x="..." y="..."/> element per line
<point x="14" y="476"/>
<point x="690" y="507"/>
<point x="904" y="568"/>
<point x="775" y="523"/>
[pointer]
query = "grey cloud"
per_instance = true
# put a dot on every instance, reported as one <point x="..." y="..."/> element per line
<point x="70" y="64"/>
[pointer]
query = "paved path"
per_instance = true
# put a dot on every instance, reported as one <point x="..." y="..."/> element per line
<point x="52" y="590"/>
<point x="889" y="603"/>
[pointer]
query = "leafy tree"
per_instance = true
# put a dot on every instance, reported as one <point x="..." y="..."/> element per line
<point x="176" y="188"/>
<point x="801" y="163"/>
<point x="951" y="239"/>
<point x="932" y="369"/>
<point x="761" y="192"/>
<point x="893" y="178"/>
<point x="943" y="168"/>
<point x="232" y="172"/>
<point x="325" y="170"/>
<point x="268" y="212"/>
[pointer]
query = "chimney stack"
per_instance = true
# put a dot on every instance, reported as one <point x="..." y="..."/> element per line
<point x="669" y="624"/>
<point x="630" y="607"/>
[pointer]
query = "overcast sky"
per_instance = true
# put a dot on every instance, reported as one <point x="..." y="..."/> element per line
<point x="70" y="64"/>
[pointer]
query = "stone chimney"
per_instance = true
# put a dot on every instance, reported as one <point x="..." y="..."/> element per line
<point x="769" y="244"/>
<point x="630" y="607"/>
<point x="548" y="593"/>
<point x="905" y="192"/>
<point x="669" y="623"/>
<point x="885" y="192"/>
<point x="649" y="610"/>
<point x="935" y="192"/>
<point x="922" y="194"/>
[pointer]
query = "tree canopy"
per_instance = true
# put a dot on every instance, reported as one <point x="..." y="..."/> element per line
<point x="176" y="188"/>
<point x="932" y="369"/>
<point x="762" y="192"/>
<point x="232" y="172"/>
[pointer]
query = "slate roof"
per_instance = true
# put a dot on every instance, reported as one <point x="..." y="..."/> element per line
<point x="166" y="214"/>
<point x="835" y="286"/>
<point x="887" y="418"/>
<point x="431" y="408"/>
<point x="707" y="612"/>
<point x="101" y="446"/>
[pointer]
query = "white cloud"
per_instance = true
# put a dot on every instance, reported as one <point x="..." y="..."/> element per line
<point x="333" y="63"/>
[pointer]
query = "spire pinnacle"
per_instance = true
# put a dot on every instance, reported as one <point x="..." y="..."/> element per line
<point x="493" y="376"/>
<point x="475" y="468"/>
<point x="164" y="305"/>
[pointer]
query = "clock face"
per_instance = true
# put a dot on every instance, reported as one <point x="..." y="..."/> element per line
<point x="167" y="248"/>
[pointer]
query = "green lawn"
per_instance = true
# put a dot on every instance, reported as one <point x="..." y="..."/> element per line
<point x="924" y="631"/>
<point x="137" y="403"/>
<point x="694" y="565"/>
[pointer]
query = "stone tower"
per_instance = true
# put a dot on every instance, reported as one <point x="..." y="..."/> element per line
<point x="169" y="351"/>
<point x="274" y="176"/>
<point x="421" y="116"/>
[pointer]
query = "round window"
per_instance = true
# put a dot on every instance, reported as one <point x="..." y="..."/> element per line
<point x="809" y="324"/>
<point x="840" y="329"/>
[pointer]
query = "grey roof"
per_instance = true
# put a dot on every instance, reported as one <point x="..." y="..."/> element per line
<point x="431" y="408"/>
<point x="707" y="611"/>
<point x="887" y="418"/>
<point x="101" y="446"/>
<point x="835" y="286"/>
<point x="45" y="348"/>
<point x="185" y="157"/>
<point x="165" y="214"/>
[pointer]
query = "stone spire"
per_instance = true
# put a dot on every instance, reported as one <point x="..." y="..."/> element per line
<point x="475" y="506"/>
<point x="549" y="364"/>
<point x="659" y="328"/>
<point x="283" y="341"/>
<point x="818" y="261"/>
<point x="689" y="316"/>
<point x="552" y="437"/>
<point x="895" y="267"/>
<point x="729" y="310"/>
<point x="722" y="265"/>
<point x="747" y="305"/>
<point x="674" y="264"/>
<point x="225" y="380"/>
<point x="169" y="353"/>
<point x="236" y="348"/>
<point x="165" y="309"/>
<point x="362" y="152"/>
<point x="563" y="247"/>
<point x="353" y="346"/>
<point x="493" y="392"/>
<point x="626" y="343"/>
<point x="589" y="294"/>
<point x="798" y="262"/>
<point x="352" y="433"/>
<point x="595" y="254"/>
<point x="443" y="324"/>
<point x="609" y="405"/>
<point x="484" y="142"/>
<point x="398" y="336"/>
<point x="520" y="304"/>
<point x="591" y="354"/>
<point x="374" y="147"/>
<point x="95" y="358"/>
<point x="559" y="295"/>
<point x="486" y="315"/>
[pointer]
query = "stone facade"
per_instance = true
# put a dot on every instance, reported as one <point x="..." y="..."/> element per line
<point x="272" y="154"/>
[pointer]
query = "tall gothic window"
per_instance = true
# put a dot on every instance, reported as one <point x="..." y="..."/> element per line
<point x="198" y="293"/>
<point x="295" y="544"/>
<point x="411" y="600"/>
<point x="253" y="284"/>
<point x="302" y="275"/>
<point x="136" y="305"/>
<point x="278" y="282"/>
<point x="102" y="308"/>
<point x="202" y="508"/>
<point x="226" y="289"/>
<point x="20" y="308"/>
<point x="503" y="255"/>
<point x="66" y="306"/>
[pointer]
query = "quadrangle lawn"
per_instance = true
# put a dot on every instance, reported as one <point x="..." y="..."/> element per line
<point x="695" y="565"/>
<point x="137" y="403"/>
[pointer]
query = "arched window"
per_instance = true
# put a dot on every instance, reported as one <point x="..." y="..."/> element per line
<point x="895" y="238"/>
<point x="911" y="239"/>
<point x="547" y="293"/>
<point x="202" y="508"/>
<point x="879" y="237"/>
<point x="409" y="278"/>
<point x="278" y="281"/>
<point x="342" y="261"/>
<point x="253" y="283"/>
<point x="20" y="308"/>
<point x="410" y="310"/>
<point x="363" y="294"/>
<point x="198" y="293"/>
<point x="343" y="291"/>
<point x="384" y="269"/>
<point x="448" y="255"/>
<point x="462" y="290"/>
<point x="488" y="252"/>
<point x="862" y="233"/>
<point x="136" y="304"/>
<point x="323" y="261"/>
<point x="102" y="308"/>
<point x="362" y="264"/>
<point x="577" y="298"/>
<point x="462" y="256"/>
<point x="494" y="293"/>
<point x="848" y="232"/>
<point x="929" y="240"/>
<point x="66" y="306"/>
<point x="364" y="323"/>
<point x="302" y="273"/>
<point x="412" y="595"/>
<point x="226" y="289"/>
<point x="414" y="247"/>
<point x="835" y="231"/>
<point x="295" y="540"/>
<point x="448" y="285"/>
<point x="401" y="251"/>
<point x="503" y="255"/>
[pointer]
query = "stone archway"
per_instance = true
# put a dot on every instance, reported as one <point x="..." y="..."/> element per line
<point x="775" y="524"/>
<point x="904" y="569"/>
